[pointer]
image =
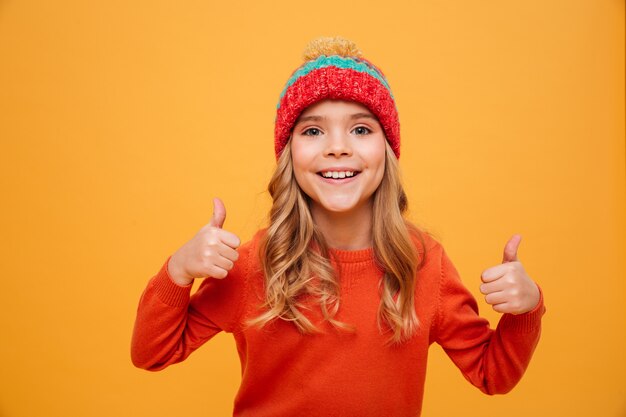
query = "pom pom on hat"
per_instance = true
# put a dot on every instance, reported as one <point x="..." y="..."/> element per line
<point x="335" y="68"/>
<point x="331" y="46"/>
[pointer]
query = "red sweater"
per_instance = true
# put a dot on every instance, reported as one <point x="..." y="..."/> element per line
<point x="285" y="373"/>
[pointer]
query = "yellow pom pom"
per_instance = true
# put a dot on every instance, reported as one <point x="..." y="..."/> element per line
<point x="331" y="46"/>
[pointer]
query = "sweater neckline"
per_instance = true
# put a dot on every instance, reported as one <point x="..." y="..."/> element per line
<point x="352" y="255"/>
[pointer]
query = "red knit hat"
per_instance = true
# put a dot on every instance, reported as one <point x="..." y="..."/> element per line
<point x="335" y="69"/>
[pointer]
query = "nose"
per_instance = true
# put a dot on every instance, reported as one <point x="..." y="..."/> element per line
<point x="337" y="144"/>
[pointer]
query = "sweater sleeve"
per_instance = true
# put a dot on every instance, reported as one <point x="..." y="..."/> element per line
<point x="492" y="360"/>
<point x="171" y="324"/>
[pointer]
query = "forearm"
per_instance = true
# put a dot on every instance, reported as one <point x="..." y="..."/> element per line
<point x="510" y="350"/>
<point x="159" y="337"/>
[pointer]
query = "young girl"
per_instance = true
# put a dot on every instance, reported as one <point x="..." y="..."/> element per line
<point x="334" y="306"/>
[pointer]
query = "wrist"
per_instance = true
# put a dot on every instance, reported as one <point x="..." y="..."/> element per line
<point x="177" y="276"/>
<point x="535" y="299"/>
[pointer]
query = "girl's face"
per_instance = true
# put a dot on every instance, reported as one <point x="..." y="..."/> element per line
<point x="338" y="156"/>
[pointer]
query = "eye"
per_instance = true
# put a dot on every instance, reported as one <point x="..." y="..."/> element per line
<point x="361" y="130"/>
<point x="312" y="131"/>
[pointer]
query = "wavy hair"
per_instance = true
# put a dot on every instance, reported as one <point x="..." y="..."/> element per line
<point x="296" y="264"/>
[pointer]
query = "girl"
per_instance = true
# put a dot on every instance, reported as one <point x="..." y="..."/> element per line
<point x="334" y="305"/>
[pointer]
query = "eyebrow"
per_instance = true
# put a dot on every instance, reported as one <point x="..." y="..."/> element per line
<point x="319" y="118"/>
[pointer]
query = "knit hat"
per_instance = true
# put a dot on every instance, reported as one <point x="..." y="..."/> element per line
<point x="334" y="68"/>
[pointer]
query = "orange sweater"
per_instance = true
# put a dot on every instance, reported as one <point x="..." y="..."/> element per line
<point x="335" y="373"/>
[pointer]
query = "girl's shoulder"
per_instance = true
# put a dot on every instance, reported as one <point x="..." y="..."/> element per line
<point x="254" y="243"/>
<point x="249" y="250"/>
<point x="423" y="240"/>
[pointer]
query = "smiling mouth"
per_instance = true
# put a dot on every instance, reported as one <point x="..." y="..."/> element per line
<point x="338" y="175"/>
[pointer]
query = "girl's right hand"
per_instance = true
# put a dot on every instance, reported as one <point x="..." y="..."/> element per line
<point x="210" y="253"/>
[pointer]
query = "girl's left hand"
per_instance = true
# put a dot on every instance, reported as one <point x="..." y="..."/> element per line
<point x="507" y="287"/>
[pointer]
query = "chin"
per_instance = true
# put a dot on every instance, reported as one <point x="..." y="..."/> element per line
<point x="339" y="210"/>
<point x="339" y="207"/>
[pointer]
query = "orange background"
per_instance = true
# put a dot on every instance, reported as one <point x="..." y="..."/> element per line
<point x="121" y="120"/>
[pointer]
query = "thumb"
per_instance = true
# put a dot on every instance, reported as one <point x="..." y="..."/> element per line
<point x="510" y="250"/>
<point x="219" y="213"/>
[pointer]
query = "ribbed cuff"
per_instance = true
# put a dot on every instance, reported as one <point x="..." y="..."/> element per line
<point x="529" y="321"/>
<point x="168" y="291"/>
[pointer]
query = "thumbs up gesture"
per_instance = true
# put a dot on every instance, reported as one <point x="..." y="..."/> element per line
<point x="210" y="253"/>
<point x="507" y="287"/>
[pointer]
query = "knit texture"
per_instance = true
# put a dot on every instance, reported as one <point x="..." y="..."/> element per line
<point x="285" y="373"/>
<point x="335" y="69"/>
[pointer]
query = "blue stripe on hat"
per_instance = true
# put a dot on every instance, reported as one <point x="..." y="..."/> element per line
<point x="334" y="61"/>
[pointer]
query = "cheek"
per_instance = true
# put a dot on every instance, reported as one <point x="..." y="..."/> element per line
<point x="376" y="157"/>
<point x="378" y="179"/>
<point x="299" y="155"/>
<point x="376" y="160"/>
<point x="300" y="179"/>
<point x="302" y="158"/>
<point x="301" y="166"/>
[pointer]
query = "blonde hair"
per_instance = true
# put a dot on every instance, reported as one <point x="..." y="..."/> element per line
<point x="295" y="256"/>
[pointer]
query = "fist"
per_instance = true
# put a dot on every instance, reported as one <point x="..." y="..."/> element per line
<point x="210" y="253"/>
<point x="507" y="287"/>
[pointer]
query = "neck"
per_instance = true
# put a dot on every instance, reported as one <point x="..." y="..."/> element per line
<point x="346" y="231"/>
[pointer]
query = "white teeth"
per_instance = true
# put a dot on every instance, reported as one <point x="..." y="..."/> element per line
<point x="338" y="174"/>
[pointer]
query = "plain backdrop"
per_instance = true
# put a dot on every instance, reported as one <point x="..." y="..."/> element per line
<point x="120" y="121"/>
